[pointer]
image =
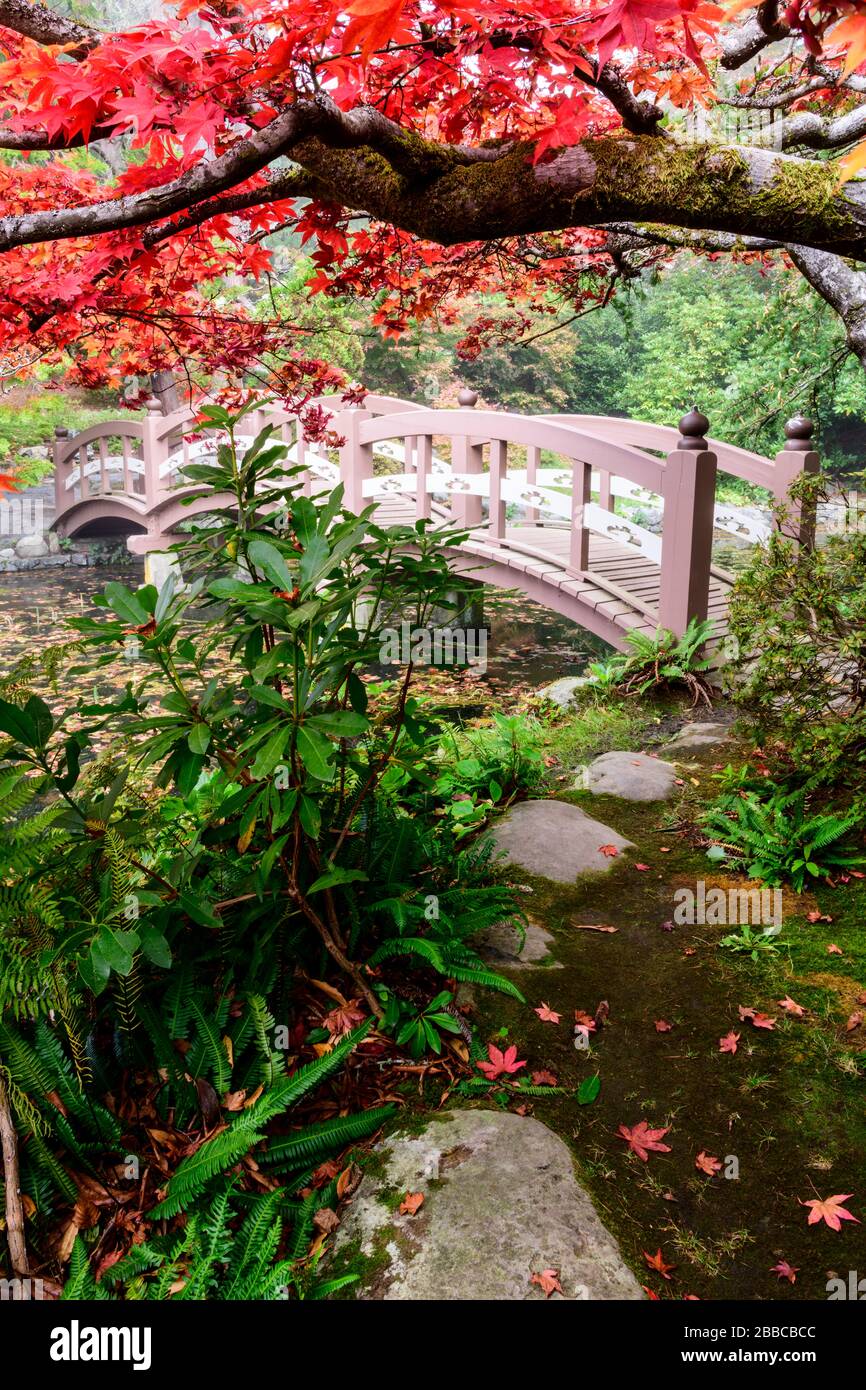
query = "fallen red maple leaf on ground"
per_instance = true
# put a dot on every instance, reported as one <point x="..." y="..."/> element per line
<point x="547" y="1281"/>
<point x="544" y="1078"/>
<point x="658" y="1263"/>
<point x="642" y="868"/>
<point x="790" y="1007"/>
<point x="547" y="1014"/>
<point x="830" y="1209"/>
<point x="610" y="850"/>
<point x="410" y="1203"/>
<point x="834" y="950"/>
<point x="500" y="1063"/>
<point x="584" y="1020"/>
<point x="816" y="916"/>
<point x="662" y="1025"/>
<point x="708" y="1164"/>
<point x="729" y="1042"/>
<point x="642" y="1140"/>
<point x="853" y="1022"/>
<point x="785" y="1271"/>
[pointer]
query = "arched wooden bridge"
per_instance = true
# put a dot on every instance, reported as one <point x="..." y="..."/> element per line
<point x="536" y="493"/>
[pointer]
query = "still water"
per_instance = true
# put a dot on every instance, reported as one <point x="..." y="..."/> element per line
<point x="526" y="645"/>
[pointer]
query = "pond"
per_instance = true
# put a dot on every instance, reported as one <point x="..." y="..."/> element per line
<point x="527" y="645"/>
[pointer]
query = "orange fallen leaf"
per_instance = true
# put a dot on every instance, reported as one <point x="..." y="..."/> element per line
<point x="547" y="1281"/>
<point x="658" y="1263"/>
<point x="662" y="1025"/>
<point x="729" y="1042"/>
<point x="790" y="1007"/>
<point x="410" y="1203"/>
<point x="853" y="1022"/>
<point x="834" y="950"/>
<point x="708" y="1163"/>
<point x="610" y="850"/>
<point x="546" y="1014"/>
<point x="830" y="1210"/>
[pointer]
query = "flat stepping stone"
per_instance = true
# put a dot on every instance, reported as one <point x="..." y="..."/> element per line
<point x="501" y="1203"/>
<point x="631" y="776"/>
<point x="555" y="840"/>
<point x="500" y="945"/>
<point x="698" y="735"/>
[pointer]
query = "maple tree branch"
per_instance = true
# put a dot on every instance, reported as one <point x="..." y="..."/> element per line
<point x="46" y="27"/>
<point x="747" y="40"/>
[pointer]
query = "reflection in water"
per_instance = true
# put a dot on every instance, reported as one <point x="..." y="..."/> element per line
<point x="527" y="645"/>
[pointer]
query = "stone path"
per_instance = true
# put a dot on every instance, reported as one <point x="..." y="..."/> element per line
<point x="501" y="1203"/>
<point x="632" y="776"/>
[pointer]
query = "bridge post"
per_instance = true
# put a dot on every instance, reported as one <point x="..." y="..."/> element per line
<point x="61" y="469"/>
<point x="154" y="450"/>
<point x="467" y="456"/>
<point x="797" y="456"/>
<point x="356" y="459"/>
<point x="689" y="491"/>
<point x="581" y="496"/>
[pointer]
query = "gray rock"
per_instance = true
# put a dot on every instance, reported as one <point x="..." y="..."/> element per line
<point x="8" y="553"/>
<point x="501" y="1202"/>
<point x="53" y="543"/>
<point x="500" y="946"/>
<point x="562" y="692"/>
<point x="632" y="776"/>
<point x="555" y="840"/>
<point x="31" y="547"/>
<point x="698" y="735"/>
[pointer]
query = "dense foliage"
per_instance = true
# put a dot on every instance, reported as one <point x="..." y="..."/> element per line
<point x="184" y="863"/>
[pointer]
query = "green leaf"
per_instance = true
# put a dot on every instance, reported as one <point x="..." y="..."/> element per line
<point x="15" y="723"/>
<point x="342" y="723"/>
<point x="199" y="738"/>
<point x="265" y="556"/>
<point x="132" y="608"/>
<point x="588" y="1090"/>
<point x="315" y="751"/>
<point x="335" y="877"/>
<point x="270" y="755"/>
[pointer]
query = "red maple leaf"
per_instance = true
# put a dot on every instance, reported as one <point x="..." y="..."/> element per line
<point x="500" y="1063"/>
<point x="830" y="1209"/>
<point x="547" y="1281"/>
<point x="610" y="850"/>
<point x="785" y="1271"/>
<point x="642" y="868"/>
<point x="729" y="1042"/>
<point x="544" y="1078"/>
<point x="642" y="1140"/>
<point x="790" y="1007"/>
<point x="662" y="1025"/>
<point x="546" y="1014"/>
<point x="708" y="1164"/>
<point x="658" y="1263"/>
<point x="410" y="1203"/>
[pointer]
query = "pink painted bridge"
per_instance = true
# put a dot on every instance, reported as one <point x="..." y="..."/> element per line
<point x="551" y="502"/>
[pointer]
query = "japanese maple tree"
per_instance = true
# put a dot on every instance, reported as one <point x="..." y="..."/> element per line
<point x="423" y="149"/>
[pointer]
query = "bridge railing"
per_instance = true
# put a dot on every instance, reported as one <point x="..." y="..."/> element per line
<point x="469" y="467"/>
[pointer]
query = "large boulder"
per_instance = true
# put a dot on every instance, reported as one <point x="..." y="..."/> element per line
<point x="555" y="840"/>
<point x="31" y="547"/>
<point x="501" y="1203"/>
<point x="632" y="776"/>
<point x="507" y="947"/>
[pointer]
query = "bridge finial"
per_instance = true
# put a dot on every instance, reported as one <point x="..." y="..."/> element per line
<point x="693" y="430"/>
<point x="61" y="432"/>
<point x="798" y="434"/>
<point x="467" y="397"/>
<point x="153" y="406"/>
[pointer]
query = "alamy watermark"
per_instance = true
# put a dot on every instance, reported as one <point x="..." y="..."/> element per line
<point x="21" y="516"/>
<point x="717" y="907"/>
<point x="433" y="646"/>
<point x="732" y="125"/>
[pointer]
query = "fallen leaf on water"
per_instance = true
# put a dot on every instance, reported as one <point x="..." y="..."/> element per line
<point x="658" y="1263"/>
<point x="610" y="850"/>
<point x="708" y="1163"/>
<point x="547" y="1281"/>
<point x="785" y="1271"/>
<point x="642" y="1140"/>
<point x="662" y="1025"/>
<point x="729" y="1042"/>
<point x="410" y="1203"/>
<point x="546" y="1014"/>
<point x="830" y="1210"/>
